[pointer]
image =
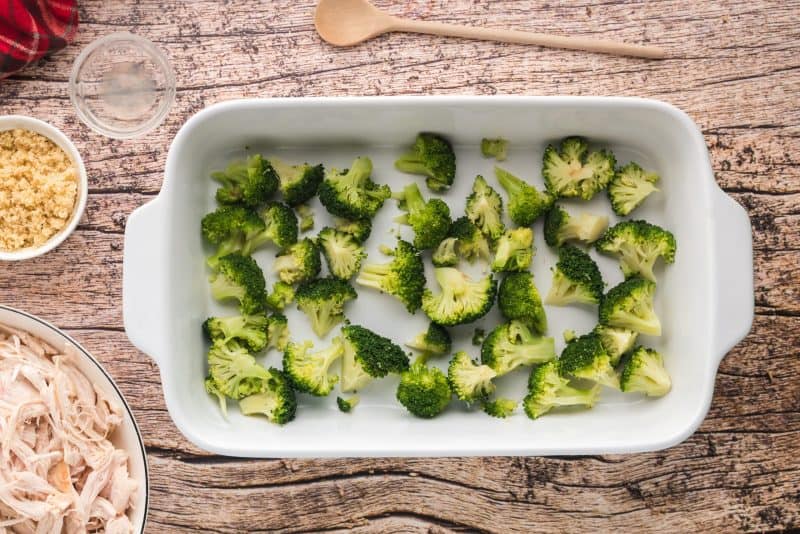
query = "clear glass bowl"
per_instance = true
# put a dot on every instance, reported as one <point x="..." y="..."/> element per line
<point x="122" y="85"/>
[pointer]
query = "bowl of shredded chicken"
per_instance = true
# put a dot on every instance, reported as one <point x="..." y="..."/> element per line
<point x="71" y="456"/>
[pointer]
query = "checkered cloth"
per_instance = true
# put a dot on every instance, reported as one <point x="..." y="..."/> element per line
<point x="30" y="29"/>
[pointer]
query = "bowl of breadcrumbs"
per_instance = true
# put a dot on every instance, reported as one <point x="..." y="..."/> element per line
<point x="43" y="187"/>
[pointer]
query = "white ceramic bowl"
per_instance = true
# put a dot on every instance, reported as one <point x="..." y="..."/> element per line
<point x="127" y="435"/>
<point x="10" y="122"/>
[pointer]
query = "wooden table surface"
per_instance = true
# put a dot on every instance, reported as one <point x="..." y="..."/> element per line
<point x="736" y="72"/>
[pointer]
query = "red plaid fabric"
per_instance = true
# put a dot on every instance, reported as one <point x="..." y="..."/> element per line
<point x="30" y="29"/>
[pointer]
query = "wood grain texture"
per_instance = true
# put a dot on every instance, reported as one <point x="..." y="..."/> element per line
<point x="737" y="74"/>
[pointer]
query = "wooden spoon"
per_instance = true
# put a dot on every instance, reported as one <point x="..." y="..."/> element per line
<point x="349" y="22"/>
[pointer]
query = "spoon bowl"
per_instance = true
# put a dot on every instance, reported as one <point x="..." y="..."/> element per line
<point x="349" y="22"/>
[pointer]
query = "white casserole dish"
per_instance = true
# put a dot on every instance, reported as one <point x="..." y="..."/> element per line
<point x="705" y="300"/>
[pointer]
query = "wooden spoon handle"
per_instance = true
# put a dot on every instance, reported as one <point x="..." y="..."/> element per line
<point x="515" y="36"/>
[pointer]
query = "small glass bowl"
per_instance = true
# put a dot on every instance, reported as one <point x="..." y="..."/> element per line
<point x="122" y="85"/>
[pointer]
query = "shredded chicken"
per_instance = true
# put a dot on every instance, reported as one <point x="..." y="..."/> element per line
<point x="59" y="471"/>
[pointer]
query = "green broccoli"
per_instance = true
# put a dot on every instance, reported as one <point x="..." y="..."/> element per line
<point x="347" y="405"/>
<point x="574" y="171"/>
<point x="251" y="183"/>
<point x="485" y="209"/>
<point x="494" y="148"/>
<point x="323" y="301"/>
<point x="359" y="228"/>
<point x="368" y="355"/>
<point x="278" y="331"/>
<point x="446" y="254"/>
<point x="423" y="390"/>
<point x="512" y="344"/>
<point x="525" y="202"/>
<point x="461" y="300"/>
<point x="403" y="277"/>
<point x="519" y="299"/>
<point x="472" y="244"/>
<point x="569" y="335"/>
<point x="630" y="305"/>
<point x="514" y="251"/>
<point x="644" y="372"/>
<point x="249" y="330"/>
<point x="233" y="371"/>
<point x="629" y="187"/>
<point x="431" y="156"/>
<point x="282" y="295"/>
<point x="308" y="371"/>
<point x="230" y="228"/>
<point x="280" y="227"/>
<point x="638" y="244"/>
<point x="239" y="277"/>
<point x="500" y="408"/>
<point x="306" y="215"/>
<point x="430" y="220"/>
<point x="576" y="278"/>
<point x="298" y="183"/>
<point x="560" y="226"/>
<point x="342" y="252"/>
<point x="276" y="400"/>
<point x="435" y="341"/>
<point x="616" y="341"/>
<point x="547" y="389"/>
<point x="469" y="380"/>
<point x="351" y="193"/>
<point x="585" y="357"/>
<point x="478" y="336"/>
<point x="298" y="262"/>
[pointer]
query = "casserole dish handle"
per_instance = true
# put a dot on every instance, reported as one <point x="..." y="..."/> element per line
<point x="144" y="280"/>
<point x="734" y="273"/>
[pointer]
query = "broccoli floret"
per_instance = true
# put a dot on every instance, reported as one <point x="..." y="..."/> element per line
<point x="512" y="344"/>
<point x="547" y="389"/>
<point x="239" y="277"/>
<point x="638" y="244"/>
<point x="233" y="371"/>
<point x="359" y="228"/>
<point x="280" y="227"/>
<point x="250" y="183"/>
<point x="282" y="295"/>
<point x="351" y="193"/>
<point x="342" y="252"/>
<point x="430" y="220"/>
<point x="306" y="215"/>
<point x="276" y="400"/>
<point x="519" y="299"/>
<point x="585" y="357"/>
<point x="644" y="372"/>
<point x="308" y="371"/>
<point x="630" y="305"/>
<point x="368" y="355"/>
<point x="431" y="156"/>
<point x="472" y="244"/>
<point x="323" y="301"/>
<point x="629" y="187"/>
<point x="423" y="390"/>
<point x="494" y="148"/>
<point x="560" y="226"/>
<point x="478" y="336"/>
<point x="461" y="300"/>
<point x="525" y="202"/>
<point x="403" y="277"/>
<point x="347" y="405"/>
<point x="298" y="183"/>
<point x="500" y="408"/>
<point x="278" y="331"/>
<point x="445" y="254"/>
<point x="569" y="335"/>
<point x="616" y="341"/>
<point x="249" y="330"/>
<point x="230" y="228"/>
<point x="514" y="251"/>
<point x="469" y="380"/>
<point x="574" y="171"/>
<point x="435" y="341"/>
<point x="485" y="209"/>
<point x="576" y="278"/>
<point x="298" y="262"/>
